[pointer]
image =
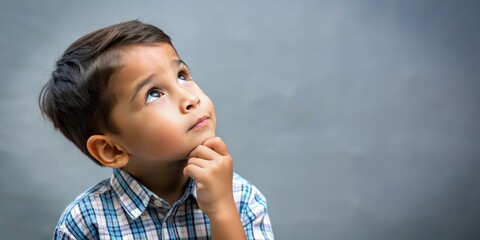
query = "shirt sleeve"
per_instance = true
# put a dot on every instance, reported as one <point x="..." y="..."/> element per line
<point x="254" y="215"/>
<point x="62" y="235"/>
<point x="77" y="222"/>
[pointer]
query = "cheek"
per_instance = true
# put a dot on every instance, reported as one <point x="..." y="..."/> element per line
<point x="164" y="143"/>
<point x="211" y="108"/>
<point x="158" y="138"/>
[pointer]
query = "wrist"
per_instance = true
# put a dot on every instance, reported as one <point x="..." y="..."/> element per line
<point x="223" y="210"/>
<point x="226" y="223"/>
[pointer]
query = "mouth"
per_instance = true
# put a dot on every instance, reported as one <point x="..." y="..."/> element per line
<point x="201" y="122"/>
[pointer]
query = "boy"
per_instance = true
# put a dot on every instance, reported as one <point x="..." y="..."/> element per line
<point x="123" y="96"/>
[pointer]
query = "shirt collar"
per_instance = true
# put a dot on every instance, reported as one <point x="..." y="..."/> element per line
<point x="135" y="197"/>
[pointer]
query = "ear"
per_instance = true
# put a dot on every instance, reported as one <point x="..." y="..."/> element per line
<point x="106" y="151"/>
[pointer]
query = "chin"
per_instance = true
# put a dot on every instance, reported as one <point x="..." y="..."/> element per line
<point x="202" y="138"/>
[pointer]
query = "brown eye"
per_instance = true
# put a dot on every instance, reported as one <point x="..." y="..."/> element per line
<point x="182" y="77"/>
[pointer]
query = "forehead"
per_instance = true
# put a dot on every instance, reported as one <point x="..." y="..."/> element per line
<point x="140" y="61"/>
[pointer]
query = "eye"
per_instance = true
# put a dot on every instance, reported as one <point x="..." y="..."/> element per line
<point x="152" y="95"/>
<point x="183" y="76"/>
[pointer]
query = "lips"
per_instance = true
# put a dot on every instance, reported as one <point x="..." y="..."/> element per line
<point x="200" y="122"/>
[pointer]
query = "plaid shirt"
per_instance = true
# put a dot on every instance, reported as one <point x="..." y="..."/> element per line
<point x="122" y="208"/>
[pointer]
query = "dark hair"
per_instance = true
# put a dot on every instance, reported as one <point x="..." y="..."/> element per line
<point x="76" y="97"/>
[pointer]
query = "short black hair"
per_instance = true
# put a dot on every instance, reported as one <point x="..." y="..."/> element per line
<point x="76" y="98"/>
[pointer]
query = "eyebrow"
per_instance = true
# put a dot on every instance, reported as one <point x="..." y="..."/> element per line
<point x="180" y="62"/>
<point x="149" y="79"/>
<point x="141" y="84"/>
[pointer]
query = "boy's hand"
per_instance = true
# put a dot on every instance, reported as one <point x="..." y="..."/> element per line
<point x="211" y="167"/>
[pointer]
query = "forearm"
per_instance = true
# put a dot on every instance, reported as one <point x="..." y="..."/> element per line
<point x="226" y="224"/>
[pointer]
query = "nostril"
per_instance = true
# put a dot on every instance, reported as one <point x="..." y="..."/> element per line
<point x="189" y="106"/>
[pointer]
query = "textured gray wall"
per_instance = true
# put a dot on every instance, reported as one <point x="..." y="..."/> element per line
<point x="357" y="119"/>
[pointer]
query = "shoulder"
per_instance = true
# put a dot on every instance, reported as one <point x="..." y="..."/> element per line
<point x="242" y="184"/>
<point x="79" y="218"/>
<point x="244" y="187"/>
<point x="247" y="196"/>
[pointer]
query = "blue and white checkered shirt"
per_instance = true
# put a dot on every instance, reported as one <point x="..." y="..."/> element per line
<point x="122" y="208"/>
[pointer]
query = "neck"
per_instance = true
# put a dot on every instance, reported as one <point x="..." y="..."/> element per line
<point x="167" y="181"/>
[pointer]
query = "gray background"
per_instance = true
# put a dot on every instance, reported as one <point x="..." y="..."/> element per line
<point x="357" y="119"/>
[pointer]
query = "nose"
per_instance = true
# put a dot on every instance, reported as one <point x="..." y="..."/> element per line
<point x="189" y="101"/>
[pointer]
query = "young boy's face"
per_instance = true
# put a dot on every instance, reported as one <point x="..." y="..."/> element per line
<point x="161" y="113"/>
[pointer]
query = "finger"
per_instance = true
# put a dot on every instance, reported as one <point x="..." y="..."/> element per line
<point x="194" y="172"/>
<point x="218" y="145"/>
<point x="198" y="162"/>
<point x="204" y="152"/>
